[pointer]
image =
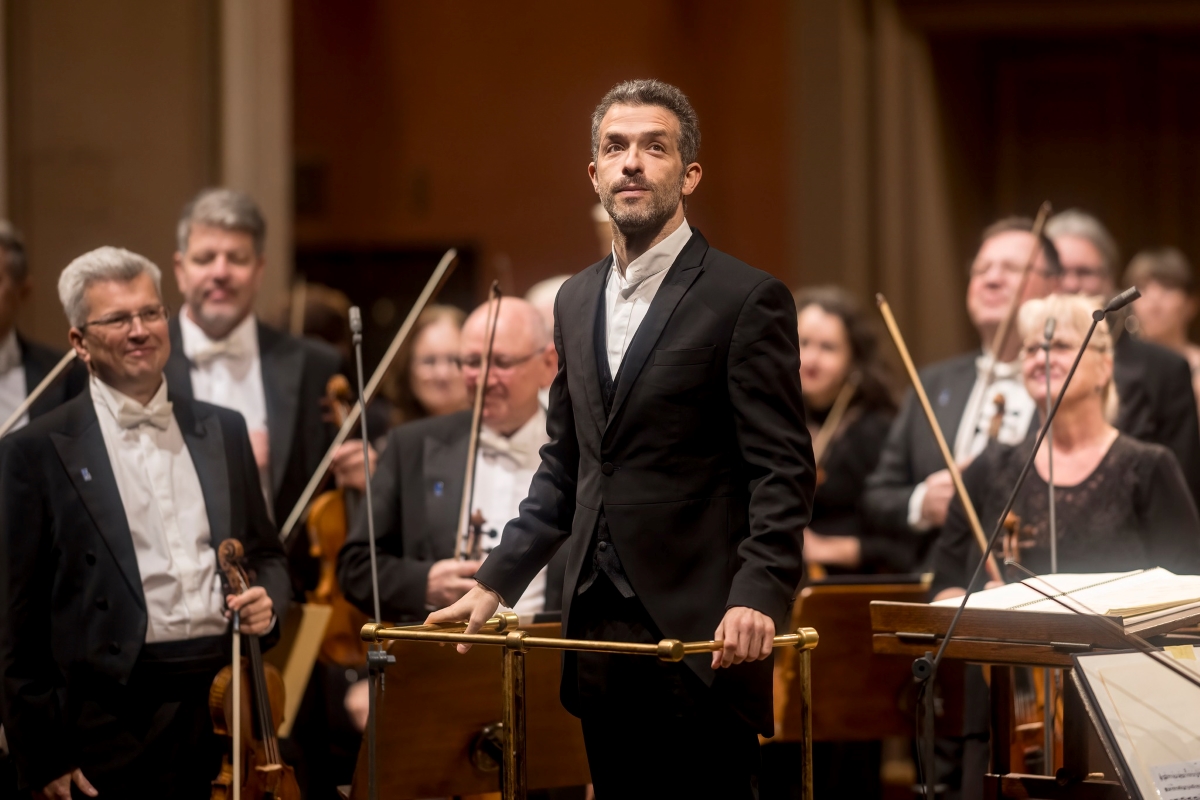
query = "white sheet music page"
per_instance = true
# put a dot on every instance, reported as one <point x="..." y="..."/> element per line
<point x="1121" y="594"/>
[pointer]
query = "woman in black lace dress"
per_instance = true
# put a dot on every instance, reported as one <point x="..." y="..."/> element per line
<point x="1120" y="504"/>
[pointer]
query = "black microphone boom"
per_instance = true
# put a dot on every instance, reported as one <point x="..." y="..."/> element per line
<point x="1120" y="301"/>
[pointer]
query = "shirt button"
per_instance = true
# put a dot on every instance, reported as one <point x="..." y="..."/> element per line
<point x="602" y="546"/>
<point x="606" y="468"/>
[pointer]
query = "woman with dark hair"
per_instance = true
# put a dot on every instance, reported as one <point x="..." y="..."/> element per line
<point x="839" y="358"/>
<point x="1167" y="307"/>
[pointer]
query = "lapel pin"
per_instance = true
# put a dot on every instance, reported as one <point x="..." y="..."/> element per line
<point x="438" y="488"/>
<point x="944" y="397"/>
<point x="87" y="476"/>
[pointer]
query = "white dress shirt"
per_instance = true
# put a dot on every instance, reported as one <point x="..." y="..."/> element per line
<point x="12" y="380"/>
<point x="627" y="296"/>
<point x="504" y="469"/>
<point x="976" y="422"/>
<point x="167" y="516"/>
<point x="228" y="373"/>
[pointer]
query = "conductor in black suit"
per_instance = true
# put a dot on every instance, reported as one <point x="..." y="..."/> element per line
<point x="679" y="474"/>
<point x="24" y="363"/>
<point x="113" y="617"/>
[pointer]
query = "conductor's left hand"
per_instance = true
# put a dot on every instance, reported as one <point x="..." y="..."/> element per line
<point x="748" y="636"/>
<point x="256" y="609"/>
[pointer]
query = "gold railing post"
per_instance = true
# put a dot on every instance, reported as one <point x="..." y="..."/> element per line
<point x="512" y="771"/>
<point x="806" y="756"/>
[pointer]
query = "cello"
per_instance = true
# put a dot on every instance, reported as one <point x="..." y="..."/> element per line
<point x="254" y="769"/>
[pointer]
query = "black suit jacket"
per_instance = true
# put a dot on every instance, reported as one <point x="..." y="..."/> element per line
<point x="703" y="467"/>
<point x="72" y="610"/>
<point x="295" y="372"/>
<point x="37" y="361"/>
<point x="1156" y="405"/>
<point x="418" y="488"/>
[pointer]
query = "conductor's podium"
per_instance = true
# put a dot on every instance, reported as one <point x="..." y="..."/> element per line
<point x="439" y="715"/>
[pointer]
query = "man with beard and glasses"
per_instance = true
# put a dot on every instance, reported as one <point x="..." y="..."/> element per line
<point x="679" y="474"/>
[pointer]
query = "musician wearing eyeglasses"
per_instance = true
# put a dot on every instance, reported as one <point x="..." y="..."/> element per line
<point x="419" y="485"/>
<point x="114" y="619"/>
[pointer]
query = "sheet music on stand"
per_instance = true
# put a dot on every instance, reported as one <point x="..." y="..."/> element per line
<point x="1149" y="718"/>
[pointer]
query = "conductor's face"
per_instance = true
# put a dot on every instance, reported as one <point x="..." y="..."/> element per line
<point x="639" y="172"/>
<point x="124" y="341"/>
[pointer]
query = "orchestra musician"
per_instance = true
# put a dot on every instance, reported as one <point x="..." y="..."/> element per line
<point x="419" y="484"/>
<point x="221" y="353"/>
<point x="113" y="619"/>
<point x="678" y="476"/>
<point x="839" y="353"/>
<point x="24" y="363"/>
<point x="1153" y="382"/>
<point x="1121" y="504"/>
<point x="1167" y="307"/>
<point x="908" y="493"/>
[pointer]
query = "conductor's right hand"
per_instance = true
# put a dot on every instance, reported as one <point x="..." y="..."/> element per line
<point x="60" y="788"/>
<point x="449" y="579"/>
<point x="478" y="606"/>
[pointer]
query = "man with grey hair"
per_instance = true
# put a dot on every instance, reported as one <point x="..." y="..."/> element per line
<point x="678" y="477"/>
<point x="112" y="506"/>
<point x="1153" y="383"/>
<point x="541" y="296"/>
<point x="24" y="363"/>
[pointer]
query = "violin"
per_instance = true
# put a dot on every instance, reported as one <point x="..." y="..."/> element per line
<point x="328" y="521"/>
<point x="251" y="722"/>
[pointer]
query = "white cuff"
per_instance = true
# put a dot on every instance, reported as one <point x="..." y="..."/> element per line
<point x="916" y="521"/>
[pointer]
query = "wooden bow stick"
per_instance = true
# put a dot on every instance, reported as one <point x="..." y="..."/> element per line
<point x="951" y="466"/>
<point x="466" y="544"/>
<point x="440" y="274"/>
<point x="37" y="392"/>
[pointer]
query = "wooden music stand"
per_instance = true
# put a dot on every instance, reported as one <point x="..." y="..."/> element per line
<point x="1043" y="639"/>
<point x="436" y="703"/>
<point x="858" y="694"/>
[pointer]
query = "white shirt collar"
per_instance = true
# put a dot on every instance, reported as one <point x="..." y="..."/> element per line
<point x="113" y="401"/>
<point x="10" y="352"/>
<point x="653" y="261"/>
<point x="195" y="339"/>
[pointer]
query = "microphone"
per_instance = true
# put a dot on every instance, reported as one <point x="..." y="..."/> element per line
<point x="377" y="659"/>
<point x="1048" y="331"/>
<point x="1117" y="303"/>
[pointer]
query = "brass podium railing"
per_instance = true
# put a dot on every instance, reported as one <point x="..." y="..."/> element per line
<point x="502" y="631"/>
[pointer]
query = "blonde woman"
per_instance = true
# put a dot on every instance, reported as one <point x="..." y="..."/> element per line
<point x="1121" y="504"/>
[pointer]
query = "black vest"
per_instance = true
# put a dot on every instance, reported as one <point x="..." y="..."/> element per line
<point x="602" y="552"/>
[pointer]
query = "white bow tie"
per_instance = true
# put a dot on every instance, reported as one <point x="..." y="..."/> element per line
<point x="211" y="351"/>
<point x="497" y="445"/>
<point x="9" y="359"/>
<point x="132" y="416"/>
<point x="1001" y="372"/>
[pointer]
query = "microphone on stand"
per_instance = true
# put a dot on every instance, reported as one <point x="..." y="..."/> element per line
<point x="925" y="668"/>
<point x="1047" y="337"/>
<point x="377" y="659"/>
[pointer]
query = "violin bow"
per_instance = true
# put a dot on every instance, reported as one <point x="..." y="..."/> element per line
<point x="1000" y="339"/>
<point x="837" y="412"/>
<point x="432" y="287"/>
<point x="955" y="474"/>
<point x="468" y="499"/>
<point x="63" y="363"/>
